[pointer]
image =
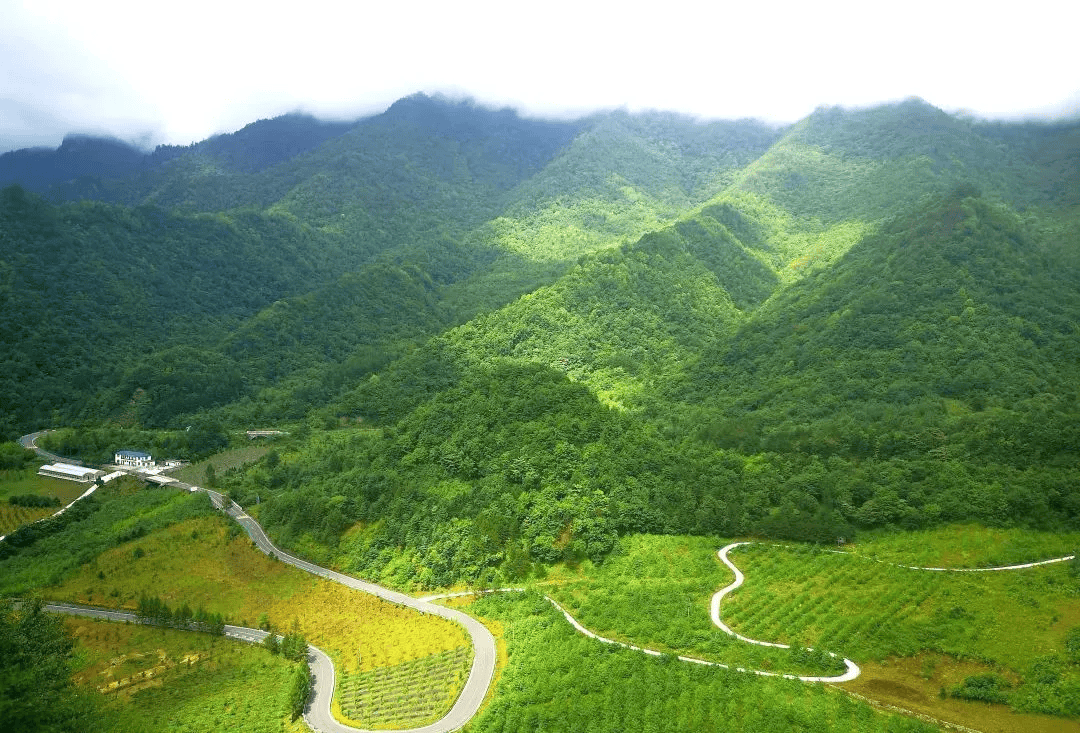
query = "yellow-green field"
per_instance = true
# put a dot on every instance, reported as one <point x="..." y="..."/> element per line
<point x="202" y="563"/>
<point x="26" y="481"/>
<point x="161" y="679"/>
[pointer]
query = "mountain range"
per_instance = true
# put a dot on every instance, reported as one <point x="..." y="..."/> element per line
<point x="569" y="330"/>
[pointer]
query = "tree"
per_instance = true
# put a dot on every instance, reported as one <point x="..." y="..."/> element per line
<point x="36" y="691"/>
<point x="299" y="690"/>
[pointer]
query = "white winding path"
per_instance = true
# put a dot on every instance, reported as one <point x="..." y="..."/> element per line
<point x="853" y="670"/>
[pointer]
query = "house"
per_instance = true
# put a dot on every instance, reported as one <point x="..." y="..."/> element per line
<point x="70" y="473"/>
<point x="134" y="458"/>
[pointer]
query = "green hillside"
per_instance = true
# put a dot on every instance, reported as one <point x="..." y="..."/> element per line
<point x="866" y="319"/>
<point x="88" y="288"/>
<point x="503" y="349"/>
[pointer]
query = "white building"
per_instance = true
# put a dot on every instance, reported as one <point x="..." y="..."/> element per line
<point x="70" y="473"/>
<point x="134" y="458"/>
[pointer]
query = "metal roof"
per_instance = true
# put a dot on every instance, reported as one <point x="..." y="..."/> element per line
<point x="68" y="469"/>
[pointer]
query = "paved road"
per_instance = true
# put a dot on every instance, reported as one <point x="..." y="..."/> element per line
<point x="30" y="443"/>
<point x="318" y="714"/>
<point x="243" y="633"/>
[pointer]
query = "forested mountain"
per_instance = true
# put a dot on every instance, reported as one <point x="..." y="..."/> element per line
<point x="568" y="330"/>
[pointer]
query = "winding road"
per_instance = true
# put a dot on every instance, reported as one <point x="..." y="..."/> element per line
<point x="318" y="714"/>
<point x="318" y="711"/>
<point x="853" y="670"/>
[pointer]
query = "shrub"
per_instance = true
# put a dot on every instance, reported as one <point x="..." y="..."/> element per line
<point x="988" y="687"/>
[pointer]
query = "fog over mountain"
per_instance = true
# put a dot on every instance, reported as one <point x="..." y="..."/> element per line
<point x="112" y="69"/>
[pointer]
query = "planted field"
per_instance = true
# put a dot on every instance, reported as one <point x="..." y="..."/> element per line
<point x="116" y="513"/>
<point x="1009" y="628"/>
<point x="872" y="610"/>
<point x="655" y="593"/>
<point x="156" y="679"/>
<point x="407" y="695"/>
<point x="222" y="462"/>
<point x="558" y="680"/>
<point x="13" y="517"/>
<point x="26" y="482"/>
<point x="203" y="562"/>
<point x="966" y="546"/>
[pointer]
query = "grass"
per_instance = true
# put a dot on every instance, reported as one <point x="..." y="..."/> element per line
<point x="26" y="481"/>
<point x="156" y="679"/>
<point x="915" y="631"/>
<point x="912" y="631"/>
<point x="407" y="695"/>
<point x="871" y="610"/>
<point x="203" y="561"/>
<point x="655" y="593"/>
<point x="558" y="680"/>
<point x="222" y="462"/>
<point x="966" y="546"/>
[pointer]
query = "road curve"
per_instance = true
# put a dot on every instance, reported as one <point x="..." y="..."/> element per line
<point x="853" y="670"/>
<point x="318" y="714"/>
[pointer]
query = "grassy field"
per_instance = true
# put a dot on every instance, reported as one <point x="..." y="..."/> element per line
<point x="919" y="632"/>
<point x="655" y="593"/>
<point x="407" y="695"/>
<point x="222" y="462"/>
<point x="914" y="632"/>
<point x="872" y="610"/>
<point x="204" y="562"/>
<point x="156" y="679"/>
<point x="965" y="546"/>
<point x="558" y="680"/>
<point x="26" y="481"/>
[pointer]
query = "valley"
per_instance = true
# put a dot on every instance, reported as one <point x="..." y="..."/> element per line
<point x="576" y="358"/>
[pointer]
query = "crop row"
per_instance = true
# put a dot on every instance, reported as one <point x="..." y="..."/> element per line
<point x="413" y="692"/>
<point x="865" y="609"/>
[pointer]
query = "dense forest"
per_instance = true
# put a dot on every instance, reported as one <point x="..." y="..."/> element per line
<point x="500" y="342"/>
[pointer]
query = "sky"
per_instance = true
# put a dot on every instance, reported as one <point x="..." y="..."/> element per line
<point x="179" y="72"/>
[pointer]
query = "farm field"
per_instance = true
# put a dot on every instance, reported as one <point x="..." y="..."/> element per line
<point x="919" y="633"/>
<point x="155" y="679"/>
<point x="655" y="594"/>
<point x="965" y="546"/>
<point x="222" y="462"/>
<point x="558" y="680"/>
<point x="205" y="562"/>
<point x="406" y="695"/>
<point x="26" y="481"/>
<point x="915" y="633"/>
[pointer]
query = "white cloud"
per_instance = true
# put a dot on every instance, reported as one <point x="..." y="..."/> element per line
<point x="183" y="72"/>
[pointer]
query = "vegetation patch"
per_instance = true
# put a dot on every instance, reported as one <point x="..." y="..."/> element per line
<point x="655" y="593"/>
<point x="198" y="473"/>
<point x="966" y="546"/>
<point x="407" y="695"/>
<point x="558" y="680"/>
<point x="161" y="679"/>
